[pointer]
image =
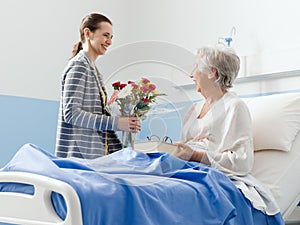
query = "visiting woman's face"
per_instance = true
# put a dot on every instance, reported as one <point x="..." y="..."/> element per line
<point x="101" y="38"/>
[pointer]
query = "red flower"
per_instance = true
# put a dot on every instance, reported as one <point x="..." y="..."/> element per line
<point x="122" y="86"/>
<point x="116" y="85"/>
<point x="146" y="100"/>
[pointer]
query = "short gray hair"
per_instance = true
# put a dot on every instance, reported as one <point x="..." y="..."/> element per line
<point x="223" y="59"/>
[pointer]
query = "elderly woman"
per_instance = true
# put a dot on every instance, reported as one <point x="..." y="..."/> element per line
<point x="217" y="130"/>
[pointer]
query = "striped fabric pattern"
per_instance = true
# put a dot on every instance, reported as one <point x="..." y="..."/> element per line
<point x="85" y="129"/>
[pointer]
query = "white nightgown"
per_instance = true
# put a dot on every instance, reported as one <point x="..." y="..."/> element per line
<point x="228" y="124"/>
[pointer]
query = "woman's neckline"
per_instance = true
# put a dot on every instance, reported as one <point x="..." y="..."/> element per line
<point x="206" y="107"/>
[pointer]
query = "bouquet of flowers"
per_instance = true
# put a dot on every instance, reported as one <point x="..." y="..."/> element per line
<point x="135" y="98"/>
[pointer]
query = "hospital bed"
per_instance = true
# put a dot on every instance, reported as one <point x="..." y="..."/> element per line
<point x="276" y="124"/>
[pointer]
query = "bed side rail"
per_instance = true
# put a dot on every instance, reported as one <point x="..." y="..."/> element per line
<point x="37" y="209"/>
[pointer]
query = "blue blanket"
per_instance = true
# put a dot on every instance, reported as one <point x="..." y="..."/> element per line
<point x="133" y="188"/>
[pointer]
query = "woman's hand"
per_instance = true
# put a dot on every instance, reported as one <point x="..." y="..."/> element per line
<point x="131" y="124"/>
<point x="185" y="152"/>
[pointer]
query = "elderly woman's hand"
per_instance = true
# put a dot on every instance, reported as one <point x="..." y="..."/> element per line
<point x="184" y="151"/>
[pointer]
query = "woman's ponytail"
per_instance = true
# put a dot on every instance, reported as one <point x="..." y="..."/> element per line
<point x="77" y="47"/>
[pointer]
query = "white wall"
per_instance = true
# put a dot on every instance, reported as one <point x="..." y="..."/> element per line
<point x="37" y="36"/>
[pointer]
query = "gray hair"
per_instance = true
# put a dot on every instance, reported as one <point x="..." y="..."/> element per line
<point x="223" y="59"/>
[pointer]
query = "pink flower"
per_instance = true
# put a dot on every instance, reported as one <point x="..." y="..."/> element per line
<point x="113" y="97"/>
<point x="133" y="84"/>
<point x="152" y="87"/>
<point x="144" y="89"/>
<point x="145" y="80"/>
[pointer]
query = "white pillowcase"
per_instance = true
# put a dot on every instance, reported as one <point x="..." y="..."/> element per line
<point x="276" y="120"/>
<point x="280" y="172"/>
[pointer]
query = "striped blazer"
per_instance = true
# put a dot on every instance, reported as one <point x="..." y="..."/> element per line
<point x="85" y="129"/>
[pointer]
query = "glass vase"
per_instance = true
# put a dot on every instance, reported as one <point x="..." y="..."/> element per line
<point x="127" y="136"/>
<point x="127" y="139"/>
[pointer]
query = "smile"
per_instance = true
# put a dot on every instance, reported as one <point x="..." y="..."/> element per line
<point x="105" y="47"/>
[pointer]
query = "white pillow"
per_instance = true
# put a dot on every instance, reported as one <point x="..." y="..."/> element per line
<point x="276" y="120"/>
<point x="280" y="172"/>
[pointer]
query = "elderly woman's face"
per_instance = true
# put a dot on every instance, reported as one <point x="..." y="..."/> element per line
<point x="201" y="79"/>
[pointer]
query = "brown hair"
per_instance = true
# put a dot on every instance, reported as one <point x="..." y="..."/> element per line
<point x="90" y="21"/>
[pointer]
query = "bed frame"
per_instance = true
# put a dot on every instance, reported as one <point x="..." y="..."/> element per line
<point x="291" y="215"/>
<point x="37" y="209"/>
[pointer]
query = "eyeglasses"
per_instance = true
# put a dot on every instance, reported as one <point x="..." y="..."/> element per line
<point x="154" y="137"/>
